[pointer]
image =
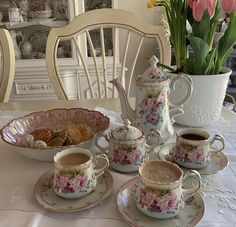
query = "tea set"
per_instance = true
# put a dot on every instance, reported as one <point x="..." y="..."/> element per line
<point x="161" y="190"/>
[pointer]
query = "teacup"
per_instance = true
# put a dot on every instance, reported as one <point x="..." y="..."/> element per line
<point x="75" y="174"/>
<point x="193" y="148"/>
<point x="160" y="191"/>
<point x="127" y="147"/>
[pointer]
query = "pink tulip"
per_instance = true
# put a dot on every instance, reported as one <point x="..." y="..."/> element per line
<point x="190" y="3"/>
<point x="229" y="6"/>
<point x="199" y="6"/>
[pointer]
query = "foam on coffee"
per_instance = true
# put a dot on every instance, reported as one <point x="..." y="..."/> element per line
<point x="73" y="159"/>
<point x="160" y="171"/>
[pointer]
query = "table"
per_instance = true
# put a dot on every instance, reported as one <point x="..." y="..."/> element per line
<point x="19" y="174"/>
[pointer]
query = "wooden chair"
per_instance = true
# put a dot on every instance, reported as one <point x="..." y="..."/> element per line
<point x="7" y="65"/>
<point x="126" y="53"/>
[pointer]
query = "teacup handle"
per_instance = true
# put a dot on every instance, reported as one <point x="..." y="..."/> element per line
<point x="188" y="192"/>
<point x="188" y="81"/>
<point x="156" y="134"/>
<point x="104" y="149"/>
<point x="218" y="138"/>
<point x="100" y="171"/>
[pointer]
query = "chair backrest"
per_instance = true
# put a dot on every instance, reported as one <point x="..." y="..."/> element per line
<point x="128" y="34"/>
<point x="7" y="66"/>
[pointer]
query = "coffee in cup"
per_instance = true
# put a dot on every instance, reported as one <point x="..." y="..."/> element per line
<point x="75" y="174"/>
<point x="193" y="148"/>
<point x="159" y="191"/>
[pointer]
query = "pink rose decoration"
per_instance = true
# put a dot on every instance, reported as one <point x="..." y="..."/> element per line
<point x="229" y="6"/>
<point x="146" y="198"/>
<point x="199" y="7"/>
<point x="61" y="182"/>
<point x="78" y="183"/>
<point x="167" y="202"/>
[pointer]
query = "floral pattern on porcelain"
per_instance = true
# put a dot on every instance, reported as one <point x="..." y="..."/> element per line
<point x="80" y="183"/>
<point x="159" y="203"/>
<point x="154" y="203"/>
<point x="156" y="74"/>
<point x="185" y="155"/>
<point x="48" y="199"/>
<point x="13" y="132"/>
<point x="154" y="113"/>
<point x="190" y="215"/>
<point x="124" y="156"/>
<point x="153" y="109"/>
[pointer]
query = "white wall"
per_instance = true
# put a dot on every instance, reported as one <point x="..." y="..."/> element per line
<point x="139" y="7"/>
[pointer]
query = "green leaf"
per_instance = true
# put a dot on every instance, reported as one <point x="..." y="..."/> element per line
<point x="200" y="48"/>
<point x="210" y="62"/>
<point x="189" y="66"/>
<point x="201" y="29"/>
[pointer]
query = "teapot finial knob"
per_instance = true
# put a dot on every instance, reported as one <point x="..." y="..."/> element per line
<point x="153" y="60"/>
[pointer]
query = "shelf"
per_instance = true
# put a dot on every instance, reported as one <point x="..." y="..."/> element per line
<point x="50" y="23"/>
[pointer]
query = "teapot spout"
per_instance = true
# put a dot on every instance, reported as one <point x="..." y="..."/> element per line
<point x="127" y="111"/>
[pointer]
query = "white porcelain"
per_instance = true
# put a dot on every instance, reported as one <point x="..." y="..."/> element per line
<point x="218" y="161"/>
<point x="205" y="105"/>
<point x="45" y="196"/>
<point x="195" y="154"/>
<point x="75" y="181"/>
<point x="190" y="215"/>
<point x="164" y="198"/>
<point x="153" y="109"/>
<point x="13" y="132"/>
<point x="127" y="147"/>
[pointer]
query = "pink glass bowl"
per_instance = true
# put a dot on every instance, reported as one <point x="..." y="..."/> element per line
<point x="55" y="118"/>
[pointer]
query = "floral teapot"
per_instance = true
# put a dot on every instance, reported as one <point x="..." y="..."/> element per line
<point x="153" y="110"/>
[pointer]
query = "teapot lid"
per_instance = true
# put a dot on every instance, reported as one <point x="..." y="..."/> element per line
<point x="153" y="73"/>
<point x="126" y="132"/>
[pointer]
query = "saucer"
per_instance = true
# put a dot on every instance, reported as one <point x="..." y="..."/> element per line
<point x="218" y="160"/>
<point x="190" y="215"/>
<point x="45" y="196"/>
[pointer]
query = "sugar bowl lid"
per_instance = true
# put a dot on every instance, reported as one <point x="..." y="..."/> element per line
<point x="126" y="132"/>
<point x="153" y="73"/>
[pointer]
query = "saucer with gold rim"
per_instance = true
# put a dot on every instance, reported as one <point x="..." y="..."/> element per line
<point x="190" y="215"/>
<point x="45" y="196"/>
<point x="218" y="160"/>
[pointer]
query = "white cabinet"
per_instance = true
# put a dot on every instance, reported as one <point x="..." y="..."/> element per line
<point x="29" y="22"/>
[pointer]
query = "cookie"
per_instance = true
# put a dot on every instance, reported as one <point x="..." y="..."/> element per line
<point x="73" y="135"/>
<point x="85" y="131"/>
<point x="44" y="134"/>
<point x="56" y="142"/>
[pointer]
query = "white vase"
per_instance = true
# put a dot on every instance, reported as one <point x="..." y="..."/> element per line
<point x="205" y="105"/>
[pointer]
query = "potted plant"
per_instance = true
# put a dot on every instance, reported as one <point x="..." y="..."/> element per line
<point x="192" y="25"/>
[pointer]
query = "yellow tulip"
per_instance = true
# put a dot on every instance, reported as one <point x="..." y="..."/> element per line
<point x="151" y="4"/>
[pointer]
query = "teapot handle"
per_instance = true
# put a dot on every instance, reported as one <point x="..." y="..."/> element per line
<point x="188" y="81"/>
<point x="174" y="112"/>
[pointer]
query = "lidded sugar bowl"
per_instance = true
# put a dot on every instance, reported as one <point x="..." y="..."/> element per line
<point x="128" y="148"/>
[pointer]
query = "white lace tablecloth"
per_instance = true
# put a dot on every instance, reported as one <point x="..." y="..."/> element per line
<point x="18" y="176"/>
